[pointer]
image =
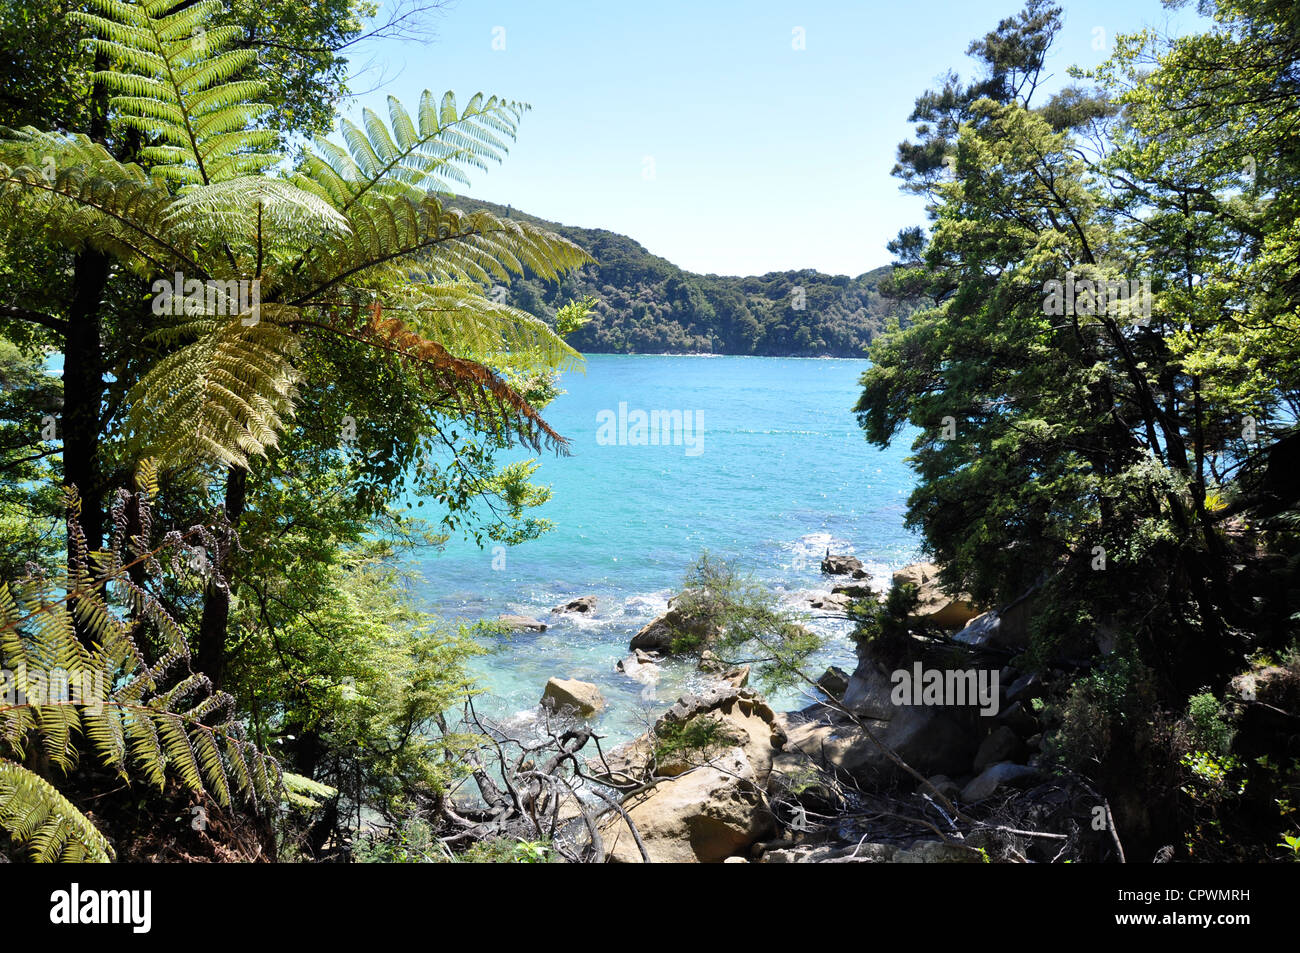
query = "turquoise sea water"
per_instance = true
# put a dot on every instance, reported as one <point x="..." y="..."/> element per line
<point x="773" y="472"/>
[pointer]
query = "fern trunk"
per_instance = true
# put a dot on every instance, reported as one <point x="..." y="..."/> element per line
<point x="83" y="391"/>
<point x="216" y="602"/>
<point x="83" y="363"/>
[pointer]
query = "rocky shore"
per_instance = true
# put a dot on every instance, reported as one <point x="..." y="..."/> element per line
<point x="926" y="753"/>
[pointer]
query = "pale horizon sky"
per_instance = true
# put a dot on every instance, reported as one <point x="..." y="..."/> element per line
<point x="700" y="130"/>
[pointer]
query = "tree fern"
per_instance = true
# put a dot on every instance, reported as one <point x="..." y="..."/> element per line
<point x="144" y="721"/>
<point x="235" y="383"/>
<point x="355" y="226"/>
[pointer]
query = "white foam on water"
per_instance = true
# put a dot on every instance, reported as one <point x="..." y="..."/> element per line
<point x="806" y="552"/>
<point x="647" y="605"/>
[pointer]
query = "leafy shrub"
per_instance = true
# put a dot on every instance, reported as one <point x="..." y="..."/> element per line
<point x="1103" y="710"/>
<point x="742" y="621"/>
<point x="675" y="739"/>
<point x="1211" y="725"/>
<point x="885" y="626"/>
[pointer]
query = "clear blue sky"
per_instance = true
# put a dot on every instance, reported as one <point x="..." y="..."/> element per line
<point x="765" y="157"/>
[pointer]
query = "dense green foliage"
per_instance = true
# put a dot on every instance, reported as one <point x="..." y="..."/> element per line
<point x="1131" y="465"/>
<point x="124" y="695"/>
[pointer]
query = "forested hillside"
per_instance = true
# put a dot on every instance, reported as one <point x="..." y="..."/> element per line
<point x="647" y="305"/>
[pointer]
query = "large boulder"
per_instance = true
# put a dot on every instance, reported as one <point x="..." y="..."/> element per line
<point x="582" y="697"/>
<point x="754" y="725"/>
<point x="707" y="814"/>
<point x="1006" y="627"/>
<point x="932" y="739"/>
<point x="834" y="681"/>
<point x="732" y="716"/>
<point x="834" y="565"/>
<point x="1025" y="687"/>
<point x="928" y="740"/>
<point x="522" y="622"/>
<point x="1003" y="744"/>
<point x="830" y="602"/>
<point x="980" y="631"/>
<point x="661" y="634"/>
<point x="854" y="591"/>
<point x="935" y="606"/>
<point x="582" y="605"/>
<point x="640" y="666"/>
<point x="996" y="776"/>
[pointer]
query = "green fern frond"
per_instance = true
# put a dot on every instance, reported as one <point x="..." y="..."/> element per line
<point x="400" y="238"/>
<point x="251" y="213"/>
<point x="178" y="81"/>
<point x="81" y="196"/>
<point x="409" y="160"/>
<point x="470" y="324"/>
<point x="305" y="792"/>
<point x="33" y="810"/>
<point x="84" y="690"/>
<point x="180" y="752"/>
<point x="226" y="396"/>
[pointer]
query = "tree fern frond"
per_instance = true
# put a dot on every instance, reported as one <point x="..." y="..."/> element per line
<point x="180" y="752"/>
<point x="107" y="734"/>
<point x="142" y="722"/>
<point x="28" y="803"/>
<point x="82" y="196"/>
<point x="470" y="324"/>
<point x="55" y="724"/>
<point x="146" y="746"/>
<point x="230" y="392"/>
<point x="482" y="392"/>
<point x="214" y="772"/>
<point x="250" y="210"/>
<point x="404" y="237"/>
<point x="410" y="160"/>
<point x="305" y="792"/>
<point x="179" y="80"/>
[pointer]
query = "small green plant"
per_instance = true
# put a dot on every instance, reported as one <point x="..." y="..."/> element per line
<point x="1291" y="841"/>
<point x="574" y="315"/>
<point x="802" y="779"/>
<point x="409" y="842"/>
<point x="1212" y="769"/>
<point x="532" y="852"/>
<point x="505" y="850"/>
<point x="1211" y="723"/>
<point x="675" y="739"/>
